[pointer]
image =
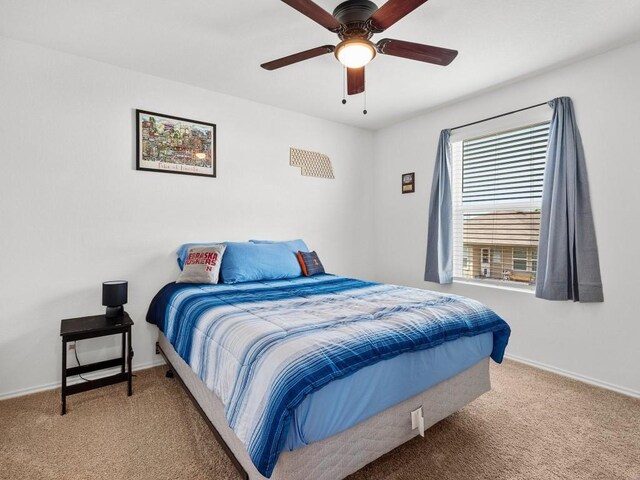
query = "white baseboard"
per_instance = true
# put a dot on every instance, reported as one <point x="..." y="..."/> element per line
<point x="575" y="376"/>
<point x="90" y="376"/>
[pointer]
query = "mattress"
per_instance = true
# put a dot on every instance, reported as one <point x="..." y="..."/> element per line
<point x="272" y="351"/>
<point x="344" y="453"/>
<point x="378" y="387"/>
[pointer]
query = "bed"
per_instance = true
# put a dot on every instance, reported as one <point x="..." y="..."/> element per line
<point x="314" y="377"/>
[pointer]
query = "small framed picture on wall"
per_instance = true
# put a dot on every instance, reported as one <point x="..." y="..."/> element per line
<point x="408" y="182"/>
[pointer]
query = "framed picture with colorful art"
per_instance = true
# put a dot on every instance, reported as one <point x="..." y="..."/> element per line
<point x="408" y="182"/>
<point x="175" y="145"/>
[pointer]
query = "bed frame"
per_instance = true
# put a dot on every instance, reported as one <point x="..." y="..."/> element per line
<point x="343" y="453"/>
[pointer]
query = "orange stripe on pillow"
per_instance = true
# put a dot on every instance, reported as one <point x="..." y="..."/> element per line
<point x="302" y="264"/>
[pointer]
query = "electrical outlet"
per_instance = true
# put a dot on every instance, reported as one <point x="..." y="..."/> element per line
<point x="72" y="346"/>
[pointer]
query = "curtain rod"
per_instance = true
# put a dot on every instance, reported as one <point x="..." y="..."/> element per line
<point x="498" y="116"/>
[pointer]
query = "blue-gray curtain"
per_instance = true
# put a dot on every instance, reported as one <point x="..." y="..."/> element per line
<point x="439" y="265"/>
<point x="568" y="265"/>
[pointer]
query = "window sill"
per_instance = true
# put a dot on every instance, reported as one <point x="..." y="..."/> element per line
<point x="531" y="289"/>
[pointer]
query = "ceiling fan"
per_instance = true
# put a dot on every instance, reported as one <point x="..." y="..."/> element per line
<point x="355" y="22"/>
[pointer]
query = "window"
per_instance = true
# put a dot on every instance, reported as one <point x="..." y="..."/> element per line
<point x="534" y="260"/>
<point x="497" y="192"/>
<point x="467" y="262"/>
<point x="520" y="259"/>
<point x="496" y="256"/>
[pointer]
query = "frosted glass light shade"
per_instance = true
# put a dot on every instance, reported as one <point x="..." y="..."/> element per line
<point x="355" y="53"/>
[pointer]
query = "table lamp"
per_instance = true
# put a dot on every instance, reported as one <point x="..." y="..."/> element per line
<point x="114" y="296"/>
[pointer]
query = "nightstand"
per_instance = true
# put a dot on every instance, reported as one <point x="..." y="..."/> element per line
<point x="73" y="329"/>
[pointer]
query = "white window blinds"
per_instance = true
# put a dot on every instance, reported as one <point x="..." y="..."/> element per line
<point x="506" y="166"/>
<point x="497" y="191"/>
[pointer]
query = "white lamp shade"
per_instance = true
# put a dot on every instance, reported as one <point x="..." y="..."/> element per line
<point x="355" y="53"/>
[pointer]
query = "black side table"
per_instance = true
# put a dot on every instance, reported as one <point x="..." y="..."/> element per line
<point x="73" y="329"/>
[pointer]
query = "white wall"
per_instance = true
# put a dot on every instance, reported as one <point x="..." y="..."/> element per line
<point x="74" y="211"/>
<point x="596" y="341"/>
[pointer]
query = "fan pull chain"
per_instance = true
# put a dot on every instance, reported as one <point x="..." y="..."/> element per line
<point x="344" y="88"/>
<point x="364" y="112"/>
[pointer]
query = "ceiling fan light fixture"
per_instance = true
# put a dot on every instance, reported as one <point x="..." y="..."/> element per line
<point x="355" y="52"/>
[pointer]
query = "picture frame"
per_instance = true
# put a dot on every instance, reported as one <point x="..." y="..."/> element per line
<point x="408" y="182"/>
<point x="170" y="144"/>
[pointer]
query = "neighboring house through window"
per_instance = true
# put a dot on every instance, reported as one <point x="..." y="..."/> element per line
<point x="497" y="191"/>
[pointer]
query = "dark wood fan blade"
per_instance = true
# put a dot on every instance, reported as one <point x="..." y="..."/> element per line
<point x="355" y="80"/>
<point x="416" y="51"/>
<point x="392" y="11"/>
<point x="315" y="13"/>
<point x="298" y="57"/>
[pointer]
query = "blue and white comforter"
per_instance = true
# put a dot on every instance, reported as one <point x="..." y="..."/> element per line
<point x="263" y="347"/>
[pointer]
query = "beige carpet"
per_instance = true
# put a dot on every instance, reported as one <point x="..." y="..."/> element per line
<point x="532" y="425"/>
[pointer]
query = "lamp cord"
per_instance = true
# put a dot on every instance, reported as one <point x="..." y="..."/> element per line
<point x="75" y="350"/>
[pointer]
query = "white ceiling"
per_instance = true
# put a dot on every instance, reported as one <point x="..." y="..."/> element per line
<point x="219" y="45"/>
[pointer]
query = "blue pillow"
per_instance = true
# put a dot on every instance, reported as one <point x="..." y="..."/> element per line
<point x="295" y="245"/>
<point x="183" y="251"/>
<point x="253" y="262"/>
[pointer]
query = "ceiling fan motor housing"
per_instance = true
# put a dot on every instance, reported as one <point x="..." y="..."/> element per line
<point x="354" y="16"/>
